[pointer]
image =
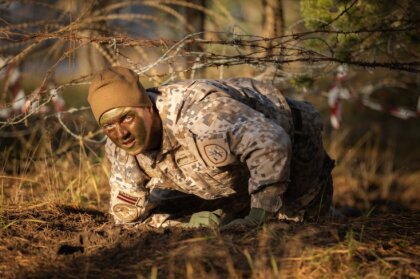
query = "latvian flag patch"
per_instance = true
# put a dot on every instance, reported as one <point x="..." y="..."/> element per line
<point x="127" y="198"/>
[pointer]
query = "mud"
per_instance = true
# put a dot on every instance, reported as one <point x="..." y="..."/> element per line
<point x="48" y="241"/>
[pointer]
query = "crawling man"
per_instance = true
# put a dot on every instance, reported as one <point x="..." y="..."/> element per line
<point x="228" y="152"/>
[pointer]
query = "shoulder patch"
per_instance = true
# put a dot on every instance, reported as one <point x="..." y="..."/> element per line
<point x="217" y="154"/>
<point x="127" y="198"/>
<point x="125" y="212"/>
<point x="214" y="150"/>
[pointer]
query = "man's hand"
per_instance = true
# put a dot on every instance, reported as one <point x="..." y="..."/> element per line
<point x="255" y="218"/>
<point x="204" y="219"/>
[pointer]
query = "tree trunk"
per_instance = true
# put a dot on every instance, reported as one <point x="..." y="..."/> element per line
<point x="273" y="26"/>
<point x="273" y="18"/>
<point x="196" y="19"/>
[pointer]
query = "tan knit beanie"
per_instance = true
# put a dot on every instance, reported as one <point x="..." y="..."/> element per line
<point x="116" y="87"/>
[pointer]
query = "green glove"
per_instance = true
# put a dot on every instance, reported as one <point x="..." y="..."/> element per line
<point x="204" y="219"/>
<point x="256" y="217"/>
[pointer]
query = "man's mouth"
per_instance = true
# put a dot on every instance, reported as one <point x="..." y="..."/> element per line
<point x="128" y="142"/>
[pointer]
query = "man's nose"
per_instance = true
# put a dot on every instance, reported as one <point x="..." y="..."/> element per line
<point x="121" y="132"/>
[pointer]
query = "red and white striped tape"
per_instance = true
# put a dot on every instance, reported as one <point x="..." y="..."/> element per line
<point x="20" y="104"/>
<point x="12" y="77"/>
<point x="339" y="92"/>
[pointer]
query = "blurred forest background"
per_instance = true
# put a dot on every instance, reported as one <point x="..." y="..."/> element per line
<point x="356" y="60"/>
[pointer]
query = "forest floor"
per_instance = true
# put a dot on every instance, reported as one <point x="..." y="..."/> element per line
<point x="50" y="241"/>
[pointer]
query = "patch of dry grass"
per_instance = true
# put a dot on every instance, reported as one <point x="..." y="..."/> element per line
<point x="51" y="167"/>
<point x="366" y="176"/>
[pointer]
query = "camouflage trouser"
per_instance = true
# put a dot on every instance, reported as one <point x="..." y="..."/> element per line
<point x="310" y="190"/>
<point x="320" y="206"/>
<point x="315" y="202"/>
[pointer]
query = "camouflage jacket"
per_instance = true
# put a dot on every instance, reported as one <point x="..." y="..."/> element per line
<point x="220" y="138"/>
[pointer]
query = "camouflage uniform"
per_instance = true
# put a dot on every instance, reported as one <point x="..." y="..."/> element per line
<point x="218" y="137"/>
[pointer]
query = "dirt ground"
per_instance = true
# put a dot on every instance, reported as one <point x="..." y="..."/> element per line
<point x="49" y="241"/>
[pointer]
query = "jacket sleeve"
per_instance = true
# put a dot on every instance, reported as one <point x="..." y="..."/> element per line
<point x="129" y="196"/>
<point x="227" y="131"/>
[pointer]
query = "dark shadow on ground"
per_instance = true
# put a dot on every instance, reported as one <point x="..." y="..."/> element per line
<point x="80" y="243"/>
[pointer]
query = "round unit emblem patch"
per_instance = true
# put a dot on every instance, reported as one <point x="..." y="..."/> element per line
<point x="215" y="153"/>
<point x="125" y="212"/>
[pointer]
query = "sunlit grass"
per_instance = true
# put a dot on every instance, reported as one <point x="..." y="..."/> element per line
<point x="41" y="172"/>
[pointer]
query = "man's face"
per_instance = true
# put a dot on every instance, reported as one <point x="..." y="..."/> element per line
<point x="129" y="127"/>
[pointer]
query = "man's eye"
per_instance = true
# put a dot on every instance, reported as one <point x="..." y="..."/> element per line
<point x="128" y="118"/>
<point x="108" y="126"/>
